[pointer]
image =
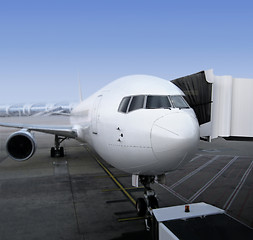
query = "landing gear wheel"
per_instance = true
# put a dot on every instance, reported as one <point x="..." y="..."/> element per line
<point x="58" y="151"/>
<point x="52" y="152"/>
<point x="61" y="152"/>
<point x="153" y="203"/>
<point x="141" y="207"/>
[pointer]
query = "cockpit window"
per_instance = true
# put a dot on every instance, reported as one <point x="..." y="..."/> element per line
<point x="136" y="103"/>
<point x="154" y="102"/>
<point x="124" y="104"/>
<point x="179" y="102"/>
<point x="132" y="103"/>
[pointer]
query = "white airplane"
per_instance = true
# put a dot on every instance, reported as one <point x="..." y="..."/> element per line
<point x="139" y="124"/>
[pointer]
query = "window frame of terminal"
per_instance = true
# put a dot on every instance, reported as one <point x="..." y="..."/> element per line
<point x="125" y="104"/>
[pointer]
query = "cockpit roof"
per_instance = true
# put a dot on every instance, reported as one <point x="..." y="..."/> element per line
<point x="144" y="84"/>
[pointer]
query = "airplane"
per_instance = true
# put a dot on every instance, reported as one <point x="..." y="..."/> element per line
<point x="139" y="124"/>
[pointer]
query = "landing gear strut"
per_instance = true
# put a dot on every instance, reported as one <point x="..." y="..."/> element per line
<point x="149" y="202"/>
<point x="57" y="151"/>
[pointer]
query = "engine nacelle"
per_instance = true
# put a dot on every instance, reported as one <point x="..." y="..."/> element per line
<point x="21" y="145"/>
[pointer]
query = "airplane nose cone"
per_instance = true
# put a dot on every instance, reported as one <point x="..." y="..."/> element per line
<point x="173" y="137"/>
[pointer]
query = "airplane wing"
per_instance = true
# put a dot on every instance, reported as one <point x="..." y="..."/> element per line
<point x="65" y="131"/>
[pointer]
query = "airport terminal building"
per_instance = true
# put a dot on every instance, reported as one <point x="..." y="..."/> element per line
<point x="18" y="110"/>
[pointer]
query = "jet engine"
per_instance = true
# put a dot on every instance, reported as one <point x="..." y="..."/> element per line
<point x="21" y="145"/>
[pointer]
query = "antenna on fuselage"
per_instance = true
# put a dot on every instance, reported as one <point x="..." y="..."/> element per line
<point x="80" y="89"/>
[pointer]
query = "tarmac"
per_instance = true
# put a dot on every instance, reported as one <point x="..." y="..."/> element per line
<point x="76" y="198"/>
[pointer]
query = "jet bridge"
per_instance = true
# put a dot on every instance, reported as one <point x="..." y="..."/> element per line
<point x="223" y="104"/>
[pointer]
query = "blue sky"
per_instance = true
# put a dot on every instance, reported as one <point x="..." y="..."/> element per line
<point x="44" y="44"/>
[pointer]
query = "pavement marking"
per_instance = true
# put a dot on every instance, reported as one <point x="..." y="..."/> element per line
<point x="113" y="178"/>
<point x="238" y="188"/>
<point x="174" y="193"/>
<point x="211" y="150"/>
<point x="197" y="157"/>
<point x="194" y="172"/>
<point x="118" y="189"/>
<point x="211" y="181"/>
<point x="249" y="193"/>
<point x="130" y="219"/>
<point x="117" y="176"/>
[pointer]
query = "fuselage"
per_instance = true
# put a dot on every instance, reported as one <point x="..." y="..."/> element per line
<point x="139" y="124"/>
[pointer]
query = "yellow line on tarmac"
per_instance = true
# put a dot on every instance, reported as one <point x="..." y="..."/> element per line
<point x="118" y="189"/>
<point x="113" y="178"/>
<point x="106" y="176"/>
<point x="132" y="188"/>
<point x="130" y="219"/>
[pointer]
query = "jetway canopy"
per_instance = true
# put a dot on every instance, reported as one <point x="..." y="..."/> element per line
<point x="223" y="104"/>
<point x="198" y="93"/>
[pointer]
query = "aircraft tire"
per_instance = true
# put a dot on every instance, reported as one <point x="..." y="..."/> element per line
<point x="141" y="207"/>
<point x="153" y="202"/>
<point x="52" y="152"/>
<point x="61" y="152"/>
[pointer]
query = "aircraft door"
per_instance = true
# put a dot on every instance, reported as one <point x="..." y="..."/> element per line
<point x="96" y="115"/>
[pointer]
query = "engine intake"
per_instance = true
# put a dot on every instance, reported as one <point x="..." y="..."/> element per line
<point x="21" y="145"/>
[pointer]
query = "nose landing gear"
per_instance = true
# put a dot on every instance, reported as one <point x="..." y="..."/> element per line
<point x="149" y="202"/>
<point x="145" y="205"/>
